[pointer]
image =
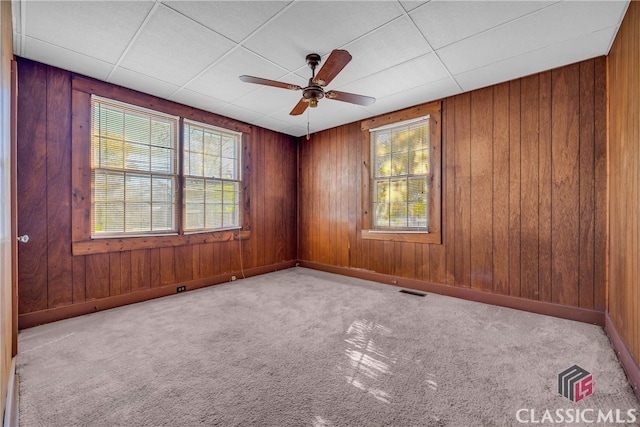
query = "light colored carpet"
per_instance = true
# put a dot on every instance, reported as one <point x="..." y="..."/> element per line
<point x="305" y="348"/>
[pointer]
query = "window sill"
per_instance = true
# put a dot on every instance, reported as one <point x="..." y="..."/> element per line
<point x="410" y="237"/>
<point x="121" y="244"/>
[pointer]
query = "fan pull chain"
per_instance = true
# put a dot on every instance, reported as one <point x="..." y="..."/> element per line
<point x="308" y="136"/>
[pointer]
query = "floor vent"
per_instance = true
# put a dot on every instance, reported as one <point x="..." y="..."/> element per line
<point x="416" y="293"/>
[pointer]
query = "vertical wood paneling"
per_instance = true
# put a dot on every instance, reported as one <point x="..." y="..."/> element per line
<point x="529" y="227"/>
<point x="115" y="273"/>
<point x="565" y="185"/>
<point x="514" y="175"/>
<point x="51" y="277"/>
<point x="125" y="272"/>
<point x="449" y="193"/>
<point x="79" y="279"/>
<point x="140" y="269"/>
<point x="501" y="189"/>
<point x="482" y="189"/>
<point x="97" y="273"/>
<point x="462" y="186"/>
<point x="515" y="183"/>
<point x="624" y="197"/>
<point x="544" y="189"/>
<point x="58" y="166"/>
<point x="600" y="165"/>
<point x="587" y="185"/>
<point x="32" y="199"/>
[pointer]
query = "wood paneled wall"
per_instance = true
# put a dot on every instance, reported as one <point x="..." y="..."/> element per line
<point x="624" y="152"/>
<point x="51" y="278"/>
<point x="524" y="193"/>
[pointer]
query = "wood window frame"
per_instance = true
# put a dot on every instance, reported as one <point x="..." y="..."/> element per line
<point x="434" y="236"/>
<point x="82" y="243"/>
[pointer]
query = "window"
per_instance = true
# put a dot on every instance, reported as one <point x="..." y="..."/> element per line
<point x="212" y="177"/>
<point x="401" y="192"/>
<point x="135" y="178"/>
<point x="133" y="170"/>
<point x="399" y="182"/>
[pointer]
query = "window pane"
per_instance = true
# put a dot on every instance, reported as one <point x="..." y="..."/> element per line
<point x="161" y="160"/>
<point x="138" y="217"/>
<point x="417" y="190"/>
<point x="399" y="164"/>
<point x="398" y="214"/>
<point x="136" y="157"/>
<point x="137" y="128"/>
<point x="194" y="216"/>
<point x="162" y="216"/>
<point x="383" y="165"/>
<point x="382" y="192"/>
<point x="398" y="191"/>
<point x="400" y="155"/>
<point x="419" y="162"/>
<point x="400" y="141"/>
<point x="111" y="154"/>
<point x="129" y="146"/>
<point x="161" y="134"/>
<point x="212" y="166"/>
<point x="162" y="190"/>
<point x="381" y="218"/>
<point x="214" y="215"/>
<point x="212" y="159"/>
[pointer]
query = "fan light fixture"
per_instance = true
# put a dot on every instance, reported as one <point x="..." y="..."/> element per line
<point x="311" y="94"/>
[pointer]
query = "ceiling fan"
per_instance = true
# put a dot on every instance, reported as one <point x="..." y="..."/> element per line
<point x="311" y="94"/>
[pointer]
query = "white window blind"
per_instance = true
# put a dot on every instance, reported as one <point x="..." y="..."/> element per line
<point x="133" y="169"/>
<point x="212" y="182"/>
<point x="400" y="176"/>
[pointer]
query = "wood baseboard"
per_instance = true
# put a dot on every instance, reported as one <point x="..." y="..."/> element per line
<point x="540" y="307"/>
<point x="628" y="362"/>
<point x="29" y="320"/>
<point x="11" y="411"/>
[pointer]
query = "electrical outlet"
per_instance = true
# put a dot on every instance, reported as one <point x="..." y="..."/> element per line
<point x="181" y="289"/>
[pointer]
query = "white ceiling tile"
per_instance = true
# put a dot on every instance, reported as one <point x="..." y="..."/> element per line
<point x="66" y="59"/>
<point x="222" y="80"/>
<point x="127" y="78"/>
<point x="174" y="48"/>
<point x="270" y="99"/>
<point x="412" y="4"/>
<point x="551" y="25"/>
<point x="445" y="22"/>
<point x="197" y="100"/>
<point x="327" y="112"/>
<point x="417" y="72"/>
<point x="414" y="96"/>
<point x="556" y="55"/>
<point x="294" y="130"/>
<point x="388" y="46"/>
<point x="273" y="123"/>
<point x="235" y="20"/>
<point x="318" y="27"/>
<point x="101" y="29"/>
<point x="189" y="49"/>
<point x="239" y="113"/>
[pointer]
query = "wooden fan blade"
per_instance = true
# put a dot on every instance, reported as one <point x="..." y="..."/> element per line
<point x="349" y="97"/>
<point x="334" y="64"/>
<point x="267" y="82"/>
<point x="300" y="107"/>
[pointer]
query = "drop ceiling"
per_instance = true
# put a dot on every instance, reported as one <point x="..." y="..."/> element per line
<point x="404" y="52"/>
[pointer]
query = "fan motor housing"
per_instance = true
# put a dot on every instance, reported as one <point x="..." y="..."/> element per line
<point x="313" y="92"/>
